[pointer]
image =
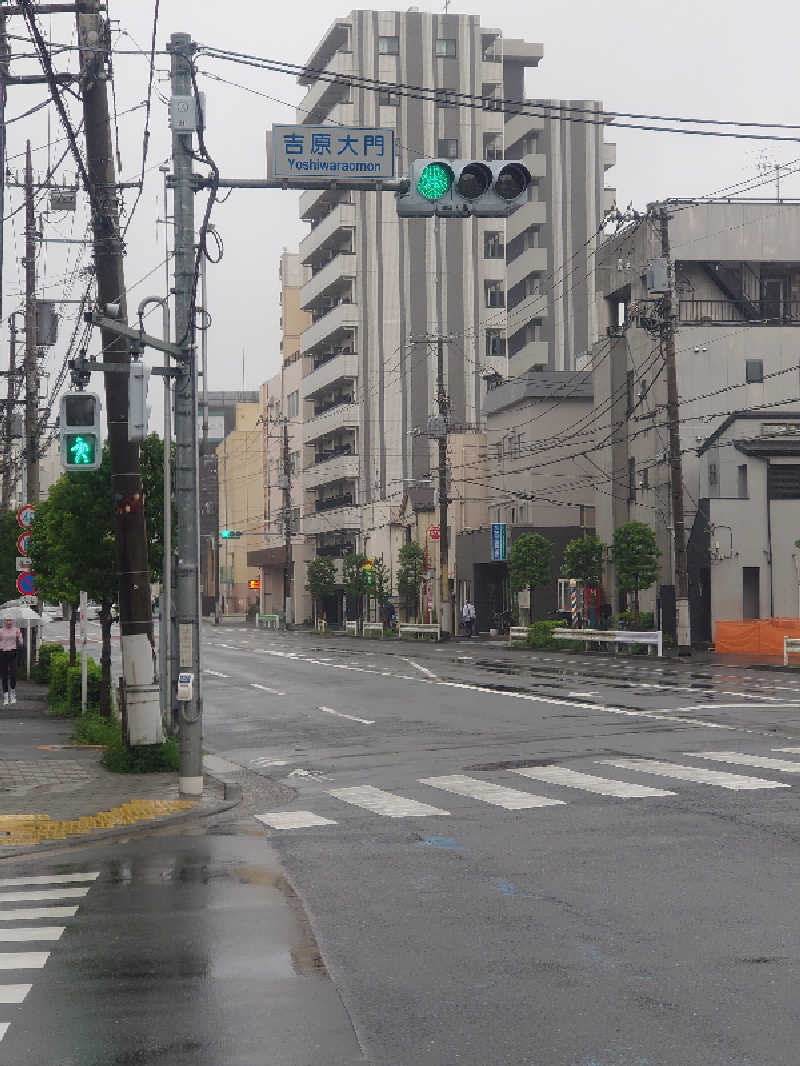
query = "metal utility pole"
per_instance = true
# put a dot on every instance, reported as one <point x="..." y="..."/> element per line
<point x="675" y="464"/>
<point x="287" y="526"/>
<point x="5" y="501"/>
<point x="165" y="600"/>
<point x="31" y="443"/>
<point x="186" y="459"/>
<point x="5" y="56"/>
<point x="140" y="691"/>
<point x="445" y="614"/>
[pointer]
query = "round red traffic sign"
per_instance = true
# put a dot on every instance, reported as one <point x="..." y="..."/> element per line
<point x="24" y="543"/>
<point x="25" y="515"/>
<point x="25" y="584"/>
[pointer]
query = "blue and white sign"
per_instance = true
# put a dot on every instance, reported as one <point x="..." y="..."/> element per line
<point x="498" y="542"/>
<point x="323" y="151"/>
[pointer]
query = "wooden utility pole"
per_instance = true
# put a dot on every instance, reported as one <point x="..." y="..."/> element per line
<point x="143" y="715"/>
<point x="675" y="464"/>
<point x="31" y="441"/>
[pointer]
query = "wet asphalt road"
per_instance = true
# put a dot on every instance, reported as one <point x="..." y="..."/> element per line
<point x="643" y="914"/>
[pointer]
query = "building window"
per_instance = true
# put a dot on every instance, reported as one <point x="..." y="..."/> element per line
<point x="495" y="343"/>
<point x="293" y="404"/>
<point x="448" y="147"/>
<point x="493" y="246"/>
<point x="495" y="296"/>
<point x="445" y="48"/>
<point x="389" y="99"/>
<point x="491" y="102"/>
<point x="389" y="46"/>
<point x="492" y="147"/>
<point x="631" y="480"/>
<point x="445" y="98"/>
<point x="629" y="388"/>
<point x="754" y="371"/>
<point x="741" y="481"/>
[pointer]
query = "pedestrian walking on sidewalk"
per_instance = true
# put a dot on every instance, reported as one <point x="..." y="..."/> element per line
<point x="468" y="617"/>
<point x="10" y="640"/>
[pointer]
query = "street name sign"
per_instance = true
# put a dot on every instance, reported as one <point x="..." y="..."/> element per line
<point x="350" y="152"/>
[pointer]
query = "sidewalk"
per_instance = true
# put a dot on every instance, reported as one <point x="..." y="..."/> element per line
<point x="52" y="791"/>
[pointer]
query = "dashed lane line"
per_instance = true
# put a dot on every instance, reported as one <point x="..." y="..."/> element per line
<point x="351" y="717"/>
<point x="266" y="688"/>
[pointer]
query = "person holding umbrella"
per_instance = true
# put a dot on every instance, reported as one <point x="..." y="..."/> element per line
<point x="10" y="640"/>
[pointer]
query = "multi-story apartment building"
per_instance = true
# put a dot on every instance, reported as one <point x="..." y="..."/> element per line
<point x="240" y="508"/>
<point x="736" y="278"/>
<point x="379" y="284"/>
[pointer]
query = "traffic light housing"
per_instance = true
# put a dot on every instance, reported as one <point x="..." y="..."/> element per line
<point x="80" y="431"/>
<point x="230" y="534"/>
<point x="367" y="571"/>
<point x="460" y="188"/>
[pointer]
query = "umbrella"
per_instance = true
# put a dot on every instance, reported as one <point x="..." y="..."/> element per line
<point x="22" y="614"/>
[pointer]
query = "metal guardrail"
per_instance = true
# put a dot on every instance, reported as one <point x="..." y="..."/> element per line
<point x="270" y="621"/>
<point x="372" y="627"/>
<point x="791" y="646"/>
<point x="517" y="633"/>
<point x="652" y="637"/>
<point x="351" y="628"/>
<point x="419" y="629"/>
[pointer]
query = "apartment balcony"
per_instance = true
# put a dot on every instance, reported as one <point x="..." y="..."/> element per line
<point x="535" y="353"/>
<point x="534" y="213"/>
<point x="532" y="261"/>
<point x="341" y="319"/>
<point x="536" y="163"/>
<point x="519" y="126"/>
<point x="330" y="232"/>
<point x="343" y="416"/>
<point x="340" y="268"/>
<point x="315" y="202"/>
<point x="338" y="468"/>
<point x="609" y="152"/>
<point x="325" y="94"/>
<point x="333" y="520"/>
<point x="342" y="367"/>
<point x="776" y="312"/>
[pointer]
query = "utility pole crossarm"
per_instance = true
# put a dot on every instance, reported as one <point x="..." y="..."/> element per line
<point x="135" y="335"/>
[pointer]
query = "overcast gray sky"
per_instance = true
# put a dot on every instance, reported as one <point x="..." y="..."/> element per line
<point x="701" y="59"/>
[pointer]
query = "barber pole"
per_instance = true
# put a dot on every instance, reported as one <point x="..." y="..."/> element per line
<point x="573" y="602"/>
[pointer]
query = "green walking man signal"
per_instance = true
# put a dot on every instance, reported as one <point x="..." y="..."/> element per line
<point x="81" y="432"/>
<point x="230" y="534"/>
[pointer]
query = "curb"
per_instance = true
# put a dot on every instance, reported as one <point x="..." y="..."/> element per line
<point x="232" y="797"/>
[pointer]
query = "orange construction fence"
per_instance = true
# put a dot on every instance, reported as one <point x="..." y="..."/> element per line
<point x="759" y="636"/>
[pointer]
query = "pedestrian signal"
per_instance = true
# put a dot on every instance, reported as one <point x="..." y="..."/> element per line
<point x="80" y="430"/>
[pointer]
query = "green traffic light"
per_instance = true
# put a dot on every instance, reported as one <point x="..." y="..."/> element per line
<point x="81" y="449"/>
<point x="225" y="534"/>
<point x="435" y="180"/>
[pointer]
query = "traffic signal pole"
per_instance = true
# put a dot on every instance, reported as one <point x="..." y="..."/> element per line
<point x="287" y="527"/>
<point x="445" y="613"/>
<point x="140" y="689"/>
<point x="31" y="442"/>
<point x="187" y="599"/>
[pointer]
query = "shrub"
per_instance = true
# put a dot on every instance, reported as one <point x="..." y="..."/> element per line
<point x="41" y="669"/>
<point x="627" y="620"/>
<point x="92" y="728"/>
<point x="540" y="634"/>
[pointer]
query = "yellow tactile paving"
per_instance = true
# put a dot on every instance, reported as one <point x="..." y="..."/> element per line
<point x="34" y="828"/>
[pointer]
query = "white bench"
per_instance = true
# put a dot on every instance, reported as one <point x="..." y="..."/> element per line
<point x="271" y="621"/>
<point x="419" y="629"/>
<point x="791" y="646"/>
<point x="652" y="637"/>
<point x="373" y="627"/>
<point x="517" y="633"/>
<point x="351" y="628"/>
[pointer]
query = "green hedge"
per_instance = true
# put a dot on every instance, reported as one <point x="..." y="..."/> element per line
<point x="91" y="728"/>
<point x="64" y="691"/>
<point x="541" y="634"/>
<point x="40" y="671"/>
<point x="627" y="621"/>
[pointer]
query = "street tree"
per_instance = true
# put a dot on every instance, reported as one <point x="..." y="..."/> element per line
<point x="55" y="573"/>
<point x="9" y="531"/>
<point x="355" y="582"/>
<point x="321" y="575"/>
<point x="635" y="554"/>
<point x="381" y="581"/>
<point x="410" y="574"/>
<point x="583" y="561"/>
<point x="529" y="564"/>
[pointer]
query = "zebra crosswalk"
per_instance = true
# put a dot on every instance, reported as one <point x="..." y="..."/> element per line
<point x="18" y="926"/>
<point x="385" y="804"/>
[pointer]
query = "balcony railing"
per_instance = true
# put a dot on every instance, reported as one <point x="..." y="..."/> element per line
<point x="317" y="315"/>
<point x="335" y="551"/>
<point x="332" y="502"/>
<point x="323" y="408"/>
<point x="713" y="312"/>
<point x="332" y="453"/>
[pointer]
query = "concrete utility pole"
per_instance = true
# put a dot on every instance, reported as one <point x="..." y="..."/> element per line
<point x="287" y="527"/>
<point x="675" y="464"/>
<point x="5" y="56"/>
<point x="142" y="709"/>
<point x="445" y="614"/>
<point x="5" y="501"/>
<point x="187" y="605"/>
<point x="31" y="442"/>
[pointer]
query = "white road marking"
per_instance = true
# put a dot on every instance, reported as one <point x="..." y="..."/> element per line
<point x="293" y="819"/>
<point x="301" y="772"/>
<point x="760" y="761"/>
<point x="418" y="666"/>
<point x="510" y="798"/>
<point x="14" y="993"/>
<point x="23" y="960"/>
<point x="215" y="673"/>
<point x="792" y="751"/>
<point x="37" y="913"/>
<point x="385" y="803"/>
<point x="692" y="773"/>
<point x="560" y="775"/>
<point x="48" y="879"/>
<point x="264" y="761"/>
<point x="580" y="695"/>
<point x="352" y="717"/>
<point x="49" y="893"/>
<point x="737" y="706"/>
<point x="4" y="1029"/>
<point x="41" y="932"/>
<point x="266" y="688"/>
